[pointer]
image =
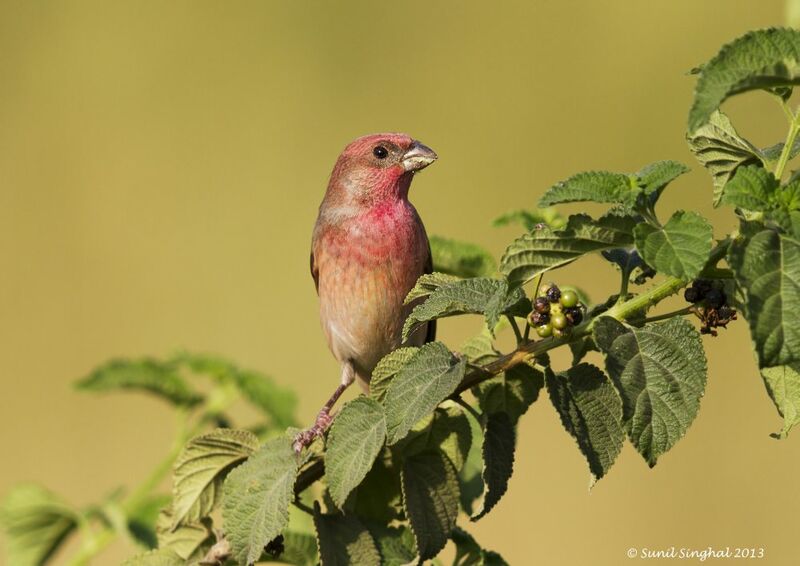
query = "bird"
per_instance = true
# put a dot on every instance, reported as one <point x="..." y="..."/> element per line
<point x="368" y="248"/>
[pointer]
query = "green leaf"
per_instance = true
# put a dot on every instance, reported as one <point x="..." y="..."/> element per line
<point x="591" y="412"/>
<point x="476" y="296"/>
<point x="395" y="544"/>
<point x="146" y="374"/>
<point x="377" y="497"/>
<point x="660" y="373"/>
<point x="387" y="369"/>
<point x="299" y="549"/>
<point x="783" y="386"/>
<point x="141" y="520"/>
<point x="36" y="522"/>
<point x="654" y="177"/>
<point x="430" y="376"/>
<point x="158" y="557"/>
<point x="355" y="439"/>
<point x="461" y="258"/>
<point x="470" y="553"/>
<point x="510" y="392"/>
<point x="545" y="249"/>
<point x="430" y="496"/>
<point x="767" y="270"/>
<point x="189" y="540"/>
<point x="470" y="477"/>
<point x="752" y="188"/>
<point x="278" y="403"/>
<point x="720" y="149"/>
<point x="256" y="498"/>
<point x="499" y="439"/>
<point x="200" y="469"/>
<point x="428" y="283"/>
<point x="680" y="248"/>
<point x="759" y="59"/>
<point x="529" y="219"/>
<point x="447" y="430"/>
<point x="343" y="540"/>
<point x="594" y="186"/>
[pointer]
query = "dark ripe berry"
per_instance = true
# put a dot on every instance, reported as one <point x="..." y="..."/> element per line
<point x="692" y="295"/>
<point x="569" y="299"/>
<point x="543" y="289"/>
<point x="715" y="298"/>
<point x="574" y="315"/>
<point x="553" y="294"/>
<point x="559" y="321"/>
<point x="562" y="332"/>
<point x="703" y="286"/>
<point x="544" y="330"/>
<point x="541" y="305"/>
<point x="538" y="318"/>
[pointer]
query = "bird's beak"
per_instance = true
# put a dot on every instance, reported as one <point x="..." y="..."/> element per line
<point x="418" y="157"/>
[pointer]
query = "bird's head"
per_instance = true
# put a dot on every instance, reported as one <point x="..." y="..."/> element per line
<point x="379" y="166"/>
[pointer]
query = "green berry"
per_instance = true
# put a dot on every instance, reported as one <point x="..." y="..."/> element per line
<point x="544" y="330"/>
<point x="569" y="299"/>
<point x="559" y="321"/>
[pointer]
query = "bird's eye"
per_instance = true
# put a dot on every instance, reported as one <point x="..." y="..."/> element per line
<point x="380" y="152"/>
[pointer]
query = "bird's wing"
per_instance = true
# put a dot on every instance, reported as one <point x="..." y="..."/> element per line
<point x="430" y="335"/>
<point x="314" y="271"/>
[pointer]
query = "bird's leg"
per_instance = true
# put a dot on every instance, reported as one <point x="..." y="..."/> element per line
<point x="324" y="417"/>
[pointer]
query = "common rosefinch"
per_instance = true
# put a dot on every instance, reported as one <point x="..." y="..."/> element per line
<point x="368" y="249"/>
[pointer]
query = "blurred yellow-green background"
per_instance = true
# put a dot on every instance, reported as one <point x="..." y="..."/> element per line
<point x="161" y="164"/>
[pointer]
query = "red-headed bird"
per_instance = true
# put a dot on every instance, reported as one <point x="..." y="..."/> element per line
<point x="368" y="249"/>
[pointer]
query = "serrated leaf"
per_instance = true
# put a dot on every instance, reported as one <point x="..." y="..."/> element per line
<point x="751" y="188"/>
<point x="591" y="412"/>
<point x="36" y="522"/>
<point x="430" y="496"/>
<point x="377" y="497"/>
<point x="480" y="349"/>
<point x="470" y="477"/>
<point x="447" y="430"/>
<point x="759" y="59"/>
<point x="200" y="468"/>
<point x="461" y="258"/>
<point x="660" y="373"/>
<point x="783" y="386"/>
<point x="594" y="186"/>
<point x="470" y="553"/>
<point x="545" y="249"/>
<point x="395" y="544"/>
<point x="479" y="295"/>
<point x="510" y="392"/>
<point x="355" y="439"/>
<point x="256" y="498"/>
<point x="680" y="248"/>
<point x="654" y="177"/>
<point x="720" y="149"/>
<point x="387" y="369"/>
<point x="189" y="540"/>
<point x="767" y="270"/>
<point x="299" y="549"/>
<point x="278" y="403"/>
<point x="427" y="284"/>
<point x="499" y="440"/>
<point x="158" y="557"/>
<point x="148" y="375"/>
<point x="529" y="219"/>
<point x="430" y="376"/>
<point x="343" y="540"/>
<point x="772" y="153"/>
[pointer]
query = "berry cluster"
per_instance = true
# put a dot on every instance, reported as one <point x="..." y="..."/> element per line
<point x="711" y="305"/>
<point x="555" y="312"/>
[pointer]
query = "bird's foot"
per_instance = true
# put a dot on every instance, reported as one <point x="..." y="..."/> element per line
<point x="309" y="435"/>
